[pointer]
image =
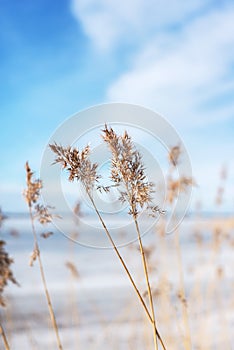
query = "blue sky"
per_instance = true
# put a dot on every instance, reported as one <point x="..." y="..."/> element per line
<point x="175" y="57"/>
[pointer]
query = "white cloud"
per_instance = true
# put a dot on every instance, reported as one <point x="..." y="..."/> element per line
<point x="181" y="59"/>
<point x="109" y="22"/>
<point x="178" y="73"/>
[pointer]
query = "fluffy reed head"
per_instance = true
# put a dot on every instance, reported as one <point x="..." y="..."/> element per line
<point x="37" y="211"/>
<point x="127" y="171"/>
<point x="176" y="185"/>
<point x="174" y="155"/>
<point x="32" y="195"/>
<point x="77" y="163"/>
<point x="32" y="192"/>
<point x="42" y="214"/>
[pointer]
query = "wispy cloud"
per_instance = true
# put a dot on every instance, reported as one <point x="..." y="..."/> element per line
<point x="182" y="74"/>
<point x="181" y="54"/>
<point x="177" y="58"/>
<point x="109" y="23"/>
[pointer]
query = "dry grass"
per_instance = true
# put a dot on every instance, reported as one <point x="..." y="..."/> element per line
<point x="127" y="162"/>
<point x="206" y="299"/>
<point x="38" y="211"/>
<point x="189" y="315"/>
<point x="127" y="172"/>
<point x="176" y="185"/>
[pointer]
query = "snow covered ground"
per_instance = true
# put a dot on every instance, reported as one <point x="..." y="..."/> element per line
<point x="99" y="309"/>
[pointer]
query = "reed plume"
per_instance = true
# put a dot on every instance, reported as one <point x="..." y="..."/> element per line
<point x="80" y="168"/>
<point x="42" y="214"/>
<point x="128" y="174"/>
<point x="174" y="187"/>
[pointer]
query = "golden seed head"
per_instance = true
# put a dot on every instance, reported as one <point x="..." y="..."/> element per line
<point x="32" y="192"/>
<point x="42" y="214"/>
<point x="128" y="172"/>
<point x="174" y="187"/>
<point x="77" y="163"/>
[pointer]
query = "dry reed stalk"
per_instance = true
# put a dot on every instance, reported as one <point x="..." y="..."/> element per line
<point x="124" y="317"/>
<point x="213" y="286"/>
<point x="31" y="195"/>
<point x="3" y="334"/>
<point x="74" y="273"/>
<point x="174" y="187"/>
<point x="81" y="169"/>
<point x="216" y="246"/>
<point x="226" y="338"/>
<point x="146" y="335"/>
<point x="146" y="332"/>
<point x="148" y="286"/>
<point x="121" y="260"/>
<point x="196" y="294"/>
<point x="181" y="293"/>
<point x="127" y="171"/>
<point x="72" y="298"/>
<point x="165" y="287"/>
<point x="182" y="296"/>
<point x="74" y="277"/>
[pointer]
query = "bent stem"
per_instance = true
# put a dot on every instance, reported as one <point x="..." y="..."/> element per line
<point x="156" y="334"/>
<point x="119" y="256"/>
<point x="51" y="311"/>
<point x="3" y="334"/>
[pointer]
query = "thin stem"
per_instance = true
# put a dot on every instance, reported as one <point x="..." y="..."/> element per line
<point x="133" y="209"/>
<point x="187" y="337"/>
<point x="120" y="258"/>
<point x="147" y="282"/>
<point x="148" y="288"/>
<point x="51" y="311"/>
<point x="3" y="334"/>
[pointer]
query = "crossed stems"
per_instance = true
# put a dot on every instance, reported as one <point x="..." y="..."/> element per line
<point x="151" y="317"/>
